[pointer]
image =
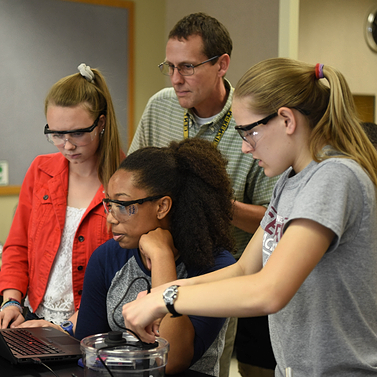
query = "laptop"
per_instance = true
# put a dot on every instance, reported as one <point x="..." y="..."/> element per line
<point x="46" y="344"/>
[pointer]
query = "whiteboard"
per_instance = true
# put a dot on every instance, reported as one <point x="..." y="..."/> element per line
<point x="42" y="41"/>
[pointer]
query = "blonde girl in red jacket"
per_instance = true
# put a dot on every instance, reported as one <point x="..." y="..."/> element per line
<point x="59" y="219"/>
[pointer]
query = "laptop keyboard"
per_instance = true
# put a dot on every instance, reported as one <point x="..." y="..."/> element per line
<point x="24" y="343"/>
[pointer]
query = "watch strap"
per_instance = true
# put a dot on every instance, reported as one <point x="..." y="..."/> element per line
<point x="172" y="310"/>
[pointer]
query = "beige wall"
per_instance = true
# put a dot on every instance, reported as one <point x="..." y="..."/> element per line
<point x="332" y="32"/>
<point x="328" y="31"/>
<point x="149" y="47"/>
<point x="253" y="26"/>
<point x="7" y="207"/>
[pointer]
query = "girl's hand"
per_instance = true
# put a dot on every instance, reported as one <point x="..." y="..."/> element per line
<point x="11" y="317"/>
<point x="157" y="245"/>
<point x="144" y="314"/>
<point x="39" y="323"/>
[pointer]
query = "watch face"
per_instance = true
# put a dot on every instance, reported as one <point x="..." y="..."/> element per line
<point x="170" y="293"/>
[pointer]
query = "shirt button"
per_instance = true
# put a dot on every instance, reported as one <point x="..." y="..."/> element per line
<point x="80" y="268"/>
<point x="45" y="197"/>
<point x="81" y="238"/>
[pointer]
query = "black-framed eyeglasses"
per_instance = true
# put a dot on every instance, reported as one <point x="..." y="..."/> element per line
<point x="79" y="138"/>
<point x="122" y="210"/>
<point x="249" y="136"/>
<point x="167" y="69"/>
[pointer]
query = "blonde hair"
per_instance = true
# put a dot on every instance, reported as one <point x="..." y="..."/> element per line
<point x="95" y="97"/>
<point x="329" y="109"/>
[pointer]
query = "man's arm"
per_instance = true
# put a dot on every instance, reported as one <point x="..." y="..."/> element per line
<point x="247" y="216"/>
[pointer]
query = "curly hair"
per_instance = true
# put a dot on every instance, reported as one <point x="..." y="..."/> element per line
<point x="193" y="173"/>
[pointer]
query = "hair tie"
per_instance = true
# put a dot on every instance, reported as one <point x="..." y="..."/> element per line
<point x="86" y="72"/>
<point x="319" y="71"/>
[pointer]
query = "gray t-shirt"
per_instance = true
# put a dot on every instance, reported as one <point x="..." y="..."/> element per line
<point x="329" y="328"/>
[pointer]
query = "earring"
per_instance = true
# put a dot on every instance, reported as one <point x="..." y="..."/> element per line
<point x="103" y="130"/>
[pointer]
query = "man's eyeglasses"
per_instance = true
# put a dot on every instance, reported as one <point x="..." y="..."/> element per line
<point x="121" y="210"/>
<point x="78" y="138"/>
<point x="249" y="136"/>
<point x="167" y="69"/>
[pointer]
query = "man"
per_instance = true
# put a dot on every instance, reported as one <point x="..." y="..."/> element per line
<point x="199" y="105"/>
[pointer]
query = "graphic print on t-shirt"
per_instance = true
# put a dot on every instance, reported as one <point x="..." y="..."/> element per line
<point x="272" y="232"/>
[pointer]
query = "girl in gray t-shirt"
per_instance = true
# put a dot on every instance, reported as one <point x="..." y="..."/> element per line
<point x="312" y="263"/>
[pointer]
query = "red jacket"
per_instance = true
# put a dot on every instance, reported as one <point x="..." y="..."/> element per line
<point x="37" y="227"/>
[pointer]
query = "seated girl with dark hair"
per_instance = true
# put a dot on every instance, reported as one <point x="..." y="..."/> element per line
<point x="170" y="211"/>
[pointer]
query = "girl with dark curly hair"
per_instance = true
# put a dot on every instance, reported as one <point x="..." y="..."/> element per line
<point x="170" y="211"/>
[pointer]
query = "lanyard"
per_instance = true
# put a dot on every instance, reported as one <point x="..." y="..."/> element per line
<point x="220" y="132"/>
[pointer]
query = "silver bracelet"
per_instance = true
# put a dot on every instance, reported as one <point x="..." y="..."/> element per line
<point x="14" y="303"/>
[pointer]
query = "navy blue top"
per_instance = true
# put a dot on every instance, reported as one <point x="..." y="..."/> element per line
<point x="111" y="271"/>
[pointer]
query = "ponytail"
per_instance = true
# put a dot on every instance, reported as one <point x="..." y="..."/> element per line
<point x="329" y="109"/>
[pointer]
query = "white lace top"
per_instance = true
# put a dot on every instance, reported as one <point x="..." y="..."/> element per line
<point x="57" y="304"/>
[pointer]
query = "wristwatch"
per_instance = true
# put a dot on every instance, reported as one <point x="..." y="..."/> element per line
<point x="67" y="326"/>
<point x="170" y="295"/>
